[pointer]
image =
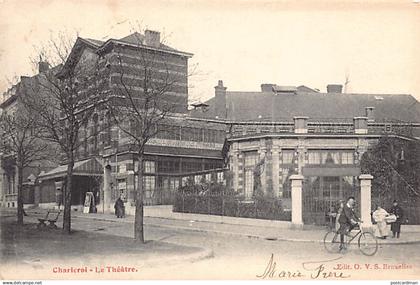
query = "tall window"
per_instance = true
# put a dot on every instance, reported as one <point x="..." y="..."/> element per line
<point x="108" y="128"/>
<point x="314" y="157"/>
<point x="251" y="159"/>
<point x="287" y="156"/>
<point x="347" y="157"/>
<point x="249" y="182"/>
<point x="149" y="184"/>
<point x="95" y="132"/>
<point x="149" y="166"/>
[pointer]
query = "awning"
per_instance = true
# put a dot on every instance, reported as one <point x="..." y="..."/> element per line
<point x="88" y="167"/>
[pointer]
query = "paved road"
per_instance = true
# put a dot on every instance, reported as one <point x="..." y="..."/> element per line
<point x="240" y="257"/>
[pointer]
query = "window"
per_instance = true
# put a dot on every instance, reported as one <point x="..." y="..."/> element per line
<point x="149" y="183"/>
<point x="168" y="166"/>
<point x="249" y="183"/>
<point x="220" y="178"/>
<point x="122" y="168"/>
<point x="251" y="158"/>
<point x="174" y="184"/>
<point x="197" y="179"/>
<point x="288" y="156"/>
<point x="347" y="158"/>
<point x="208" y="177"/>
<point x="108" y="128"/>
<point x="184" y="181"/>
<point x="95" y="132"/>
<point x="148" y="166"/>
<point x="122" y="189"/>
<point x="331" y="157"/>
<point x="314" y="157"/>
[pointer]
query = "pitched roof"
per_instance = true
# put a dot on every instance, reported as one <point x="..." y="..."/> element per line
<point x="138" y="39"/>
<point x="269" y="106"/>
<point x="94" y="42"/>
<point x="87" y="167"/>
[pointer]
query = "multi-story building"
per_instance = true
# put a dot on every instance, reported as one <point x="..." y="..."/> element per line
<point x="289" y="130"/>
<point x="105" y="165"/>
<point x="11" y="104"/>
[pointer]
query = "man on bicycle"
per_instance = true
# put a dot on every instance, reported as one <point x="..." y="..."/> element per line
<point x="348" y="220"/>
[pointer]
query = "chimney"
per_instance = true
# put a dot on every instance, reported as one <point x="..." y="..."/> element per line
<point x="43" y="66"/>
<point x="152" y="38"/>
<point x="220" y="96"/>
<point x="301" y="124"/>
<point x="360" y="125"/>
<point x="334" y="88"/>
<point x="370" y="113"/>
<point x="267" y="87"/>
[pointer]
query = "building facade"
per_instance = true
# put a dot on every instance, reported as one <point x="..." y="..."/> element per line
<point x="106" y="159"/>
<point x="286" y="130"/>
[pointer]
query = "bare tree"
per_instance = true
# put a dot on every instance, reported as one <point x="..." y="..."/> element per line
<point x="147" y="92"/>
<point x="65" y="97"/>
<point x="20" y="142"/>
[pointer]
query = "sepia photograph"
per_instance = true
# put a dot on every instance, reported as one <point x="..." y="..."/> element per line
<point x="209" y="140"/>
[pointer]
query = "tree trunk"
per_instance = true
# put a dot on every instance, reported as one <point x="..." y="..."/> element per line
<point x="20" y="195"/>
<point x="67" y="198"/>
<point x="138" y="221"/>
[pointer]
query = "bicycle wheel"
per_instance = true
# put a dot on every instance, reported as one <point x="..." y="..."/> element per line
<point x="332" y="242"/>
<point x="368" y="244"/>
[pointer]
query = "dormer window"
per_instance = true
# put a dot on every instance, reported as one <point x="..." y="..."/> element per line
<point x="200" y="106"/>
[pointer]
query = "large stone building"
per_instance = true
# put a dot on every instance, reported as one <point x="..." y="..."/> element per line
<point x="288" y="130"/>
<point x="105" y="159"/>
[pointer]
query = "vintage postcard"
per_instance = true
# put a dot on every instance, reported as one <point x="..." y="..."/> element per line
<point x="212" y="140"/>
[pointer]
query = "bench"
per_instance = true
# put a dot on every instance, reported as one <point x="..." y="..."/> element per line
<point x="50" y="218"/>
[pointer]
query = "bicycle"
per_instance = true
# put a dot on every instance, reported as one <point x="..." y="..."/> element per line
<point x="367" y="242"/>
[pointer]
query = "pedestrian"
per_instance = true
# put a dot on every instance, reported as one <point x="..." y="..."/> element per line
<point x="119" y="208"/>
<point x="379" y="216"/>
<point x="399" y="213"/>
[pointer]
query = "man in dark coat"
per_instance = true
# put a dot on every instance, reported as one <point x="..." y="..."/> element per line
<point x="119" y="208"/>
<point x="399" y="213"/>
<point x="348" y="220"/>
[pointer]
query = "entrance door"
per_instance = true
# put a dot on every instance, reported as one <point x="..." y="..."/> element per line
<point x="321" y="194"/>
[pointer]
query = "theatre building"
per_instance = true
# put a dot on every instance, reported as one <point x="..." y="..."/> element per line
<point x="290" y="130"/>
<point x="105" y="160"/>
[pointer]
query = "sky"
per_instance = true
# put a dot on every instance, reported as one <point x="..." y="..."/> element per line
<point x="375" y="44"/>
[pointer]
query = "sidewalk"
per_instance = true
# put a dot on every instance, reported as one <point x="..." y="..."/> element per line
<point x="82" y="250"/>
<point x="408" y="236"/>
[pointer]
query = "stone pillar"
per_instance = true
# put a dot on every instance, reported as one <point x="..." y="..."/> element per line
<point x="241" y="173"/>
<point x="297" y="221"/>
<point x="365" y="199"/>
<point x="262" y="153"/>
<point x="276" y="169"/>
<point x="301" y="151"/>
<point x="234" y="169"/>
<point x="106" y="202"/>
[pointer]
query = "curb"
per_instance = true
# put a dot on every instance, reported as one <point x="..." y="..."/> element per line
<point x="238" y="234"/>
<point x="253" y="236"/>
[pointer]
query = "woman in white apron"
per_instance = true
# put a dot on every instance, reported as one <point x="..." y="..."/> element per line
<point x="381" y="229"/>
